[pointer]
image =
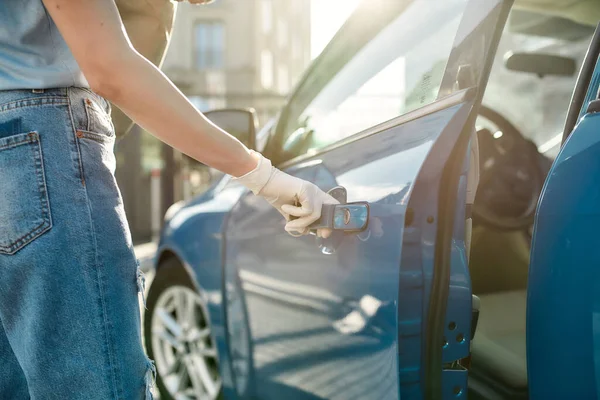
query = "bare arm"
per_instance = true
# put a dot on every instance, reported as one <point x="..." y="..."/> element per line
<point x="115" y="70"/>
<point x="149" y="30"/>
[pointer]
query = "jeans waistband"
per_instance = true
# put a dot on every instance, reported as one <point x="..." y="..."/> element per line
<point x="7" y="96"/>
<point x="21" y="93"/>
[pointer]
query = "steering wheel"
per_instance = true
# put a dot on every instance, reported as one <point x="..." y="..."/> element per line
<point x="510" y="179"/>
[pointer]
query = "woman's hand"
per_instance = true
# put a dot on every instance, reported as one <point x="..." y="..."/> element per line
<point x="291" y="196"/>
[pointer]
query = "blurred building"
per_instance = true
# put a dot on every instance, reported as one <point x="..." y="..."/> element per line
<point x="240" y="53"/>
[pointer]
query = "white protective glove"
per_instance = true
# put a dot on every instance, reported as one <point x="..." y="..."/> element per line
<point x="291" y="196"/>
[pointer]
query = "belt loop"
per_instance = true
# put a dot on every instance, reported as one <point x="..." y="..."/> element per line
<point x="37" y="90"/>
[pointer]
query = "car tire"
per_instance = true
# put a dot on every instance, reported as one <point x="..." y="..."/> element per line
<point x="169" y="274"/>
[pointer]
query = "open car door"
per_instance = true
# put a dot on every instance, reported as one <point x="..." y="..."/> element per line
<point x="382" y="308"/>
<point x="563" y="303"/>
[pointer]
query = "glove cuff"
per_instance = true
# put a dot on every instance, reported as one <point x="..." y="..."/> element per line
<point x="256" y="179"/>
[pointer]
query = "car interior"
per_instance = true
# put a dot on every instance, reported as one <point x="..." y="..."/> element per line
<point x="519" y="131"/>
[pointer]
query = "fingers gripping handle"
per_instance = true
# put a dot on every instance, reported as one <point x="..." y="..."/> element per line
<point x="346" y="217"/>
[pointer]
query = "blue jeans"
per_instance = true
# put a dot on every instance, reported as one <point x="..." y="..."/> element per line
<point x="69" y="279"/>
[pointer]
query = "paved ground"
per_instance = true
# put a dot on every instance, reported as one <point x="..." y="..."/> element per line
<point x="144" y="252"/>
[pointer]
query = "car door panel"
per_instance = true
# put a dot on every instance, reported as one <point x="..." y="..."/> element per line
<point x="353" y="323"/>
<point x="324" y="324"/>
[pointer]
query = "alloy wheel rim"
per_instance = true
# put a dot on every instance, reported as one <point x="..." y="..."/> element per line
<point x="184" y="351"/>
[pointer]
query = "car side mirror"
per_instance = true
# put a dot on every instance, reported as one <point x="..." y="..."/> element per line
<point x="241" y="123"/>
<point x="540" y="64"/>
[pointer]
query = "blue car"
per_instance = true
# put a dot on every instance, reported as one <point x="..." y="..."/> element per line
<point x="462" y="138"/>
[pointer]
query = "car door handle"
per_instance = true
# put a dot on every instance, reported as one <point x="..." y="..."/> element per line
<point x="346" y="217"/>
<point x="350" y="217"/>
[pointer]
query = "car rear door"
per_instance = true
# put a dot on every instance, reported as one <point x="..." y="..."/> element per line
<point x="563" y="293"/>
<point x="387" y="113"/>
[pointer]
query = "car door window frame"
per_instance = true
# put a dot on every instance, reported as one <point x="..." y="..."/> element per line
<point x="463" y="68"/>
<point x="582" y="87"/>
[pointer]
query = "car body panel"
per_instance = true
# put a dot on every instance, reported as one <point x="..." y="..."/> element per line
<point x="563" y="303"/>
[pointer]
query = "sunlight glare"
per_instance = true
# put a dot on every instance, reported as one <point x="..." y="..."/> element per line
<point x="327" y="16"/>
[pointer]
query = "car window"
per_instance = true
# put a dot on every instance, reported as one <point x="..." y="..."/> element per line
<point x="536" y="105"/>
<point x="400" y="69"/>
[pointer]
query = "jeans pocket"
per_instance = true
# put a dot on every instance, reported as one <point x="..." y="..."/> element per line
<point x="24" y="205"/>
<point x="98" y="118"/>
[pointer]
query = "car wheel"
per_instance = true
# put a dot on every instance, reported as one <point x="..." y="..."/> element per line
<point x="178" y="337"/>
